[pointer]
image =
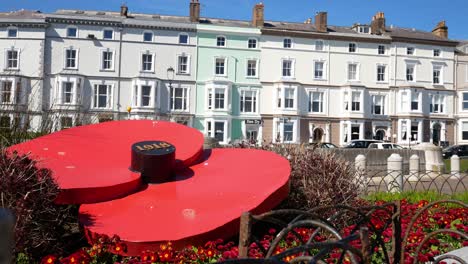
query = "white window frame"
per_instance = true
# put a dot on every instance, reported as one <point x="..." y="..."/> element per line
<point x="257" y="64"/>
<point x="212" y="133"/>
<point x="183" y="34"/>
<point x="256" y="43"/>
<point x="8" y="32"/>
<point x="461" y="129"/>
<point x="226" y="60"/>
<point x="323" y="45"/>
<point x="185" y="97"/>
<point x="408" y="65"/>
<point x="419" y="93"/>
<point x="293" y="62"/>
<point x="384" y="50"/>
<point x="66" y="59"/>
<point x="385" y="79"/>
<point x="435" y="51"/>
<point x="72" y="92"/>
<point x="357" y="71"/>
<point x="112" y="60"/>
<point x="441" y="73"/>
<point x="355" y="47"/>
<point x="278" y="130"/>
<point x="383" y="110"/>
<point x="104" y="33"/>
<point x="77" y="89"/>
<point x="310" y="94"/>
<point x="148" y="32"/>
<point x="179" y="72"/>
<point x="438" y="99"/>
<point x="17" y="59"/>
<point x="15" y="97"/>
<point x="463" y="101"/>
<point x="280" y="97"/>
<point x="290" y="43"/>
<point x="153" y="58"/>
<point x="217" y="42"/>
<point x="256" y="93"/>
<point x="109" y="96"/>
<point x="211" y="100"/>
<point x="71" y="27"/>
<point x="324" y="70"/>
<point x="137" y="95"/>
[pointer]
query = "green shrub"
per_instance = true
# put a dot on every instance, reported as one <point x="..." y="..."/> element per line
<point x="415" y="197"/>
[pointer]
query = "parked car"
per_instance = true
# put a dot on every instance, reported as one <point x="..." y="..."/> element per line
<point x="385" y="146"/>
<point x="460" y="150"/>
<point x="322" y="145"/>
<point x="361" y="143"/>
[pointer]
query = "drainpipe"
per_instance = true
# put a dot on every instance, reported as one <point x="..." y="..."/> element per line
<point x="119" y="73"/>
<point x="455" y="102"/>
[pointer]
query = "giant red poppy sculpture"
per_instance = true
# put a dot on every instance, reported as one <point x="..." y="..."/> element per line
<point x="150" y="181"/>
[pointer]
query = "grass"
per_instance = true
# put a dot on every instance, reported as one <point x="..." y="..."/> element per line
<point x="463" y="165"/>
<point x="415" y="197"/>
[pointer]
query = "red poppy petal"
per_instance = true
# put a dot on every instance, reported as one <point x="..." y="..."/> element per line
<point x="204" y="203"/>
<point x="91" y="163"/>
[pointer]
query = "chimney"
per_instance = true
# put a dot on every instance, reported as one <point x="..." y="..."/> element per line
<point x="378" y="23"/>
<point x="258" y="17"/>
<point x="308" y="21"/>
<point x="124" y="10"/>
<point x="194" y="11"/>
<point x="441" y="30"/>
<point x="321" y="21"/>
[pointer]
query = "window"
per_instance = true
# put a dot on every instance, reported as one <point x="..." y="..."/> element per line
<point x="72" y="32"/>
<point x="436" y="103"/>
<point x="436" y="74"/>
<point x="12" y="32"/>
<point x="287" y="68"/>
<point x="147" y="62"/>
<point x="381" y="73"/>
<point x="289" y="94"/>
<point x="221" y="41"/>
<point x="217" y="100"/>
<point x="352" y="47"/>
<point x="318" y="70"/>
<point x="147" y="36"/>
<point x="364" y="29"/>
<point x="414" y="131"/>
<point x="409" y="51"/>
<point x="284" y="130"/>
<point x="220" y="66"/>
<point x="107" y="60"/>
<point x="410" y="72"/>
<point x="287" y="43"/>
<point x="252" y="44"/>
<point x="404" y="130"/>
<point x="183" y="64"/>
<point x="465" y="102"/>
<point x="356" y="101"/>
<point x="252" y="68"/>
<point x="316" y="102"/>
<point x="346" y="101"/>
<point x="66" y="122"/>
<point x="146" y="95"/>
<point x="183" y="39"/>
<point x="70" y="58"/>
<point x="352" y="72"/>
<point x="318" y="45"/>
<point x="437" y="53"/>
<point x="248" y="101"/>
<point x="108" y="34"/>
<point x="378" y="104"/>
<point x="404" y="101"/>
<point x="415" y="101"/>
<point x="7" y="92"/>
<point x="217" y="129"/>
<point x="179" y="99"/>
<point x="465" y="130"/>
<point x="288" y="131"/>
<point x="102" y="96"/>
<point x="67" y="92"/>
<point x="12" y="59"/>
<point x="381" y="50"/>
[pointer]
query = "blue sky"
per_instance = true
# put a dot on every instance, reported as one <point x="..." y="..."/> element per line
<point x="419" y="14"/>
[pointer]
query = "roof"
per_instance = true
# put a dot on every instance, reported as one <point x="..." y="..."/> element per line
<point x="22" y="17"/>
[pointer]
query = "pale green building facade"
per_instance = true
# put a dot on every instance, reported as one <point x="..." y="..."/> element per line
<point x="228" y="86"/>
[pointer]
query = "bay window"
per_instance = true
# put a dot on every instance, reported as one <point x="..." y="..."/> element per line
<point x="102" y="96"/>
<point x="436" y="103"/>
<point x="356" y="101"/>
<point x="415" y="96"/>
<point x="464" y="128"/>
<point x="217" y="98"/>
<point x="67" y="92"/>
<point x="248" y="101"/>
<point x="286" y="97"/>
<point x="378" y="104"/>
<point x="465" y="101"/>
<point x="316" y="102"/>
<point x="144" y="94"/>
<point x="6" y="92"/>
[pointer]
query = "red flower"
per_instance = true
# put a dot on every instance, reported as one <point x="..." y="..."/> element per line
<point x="50" y="259"/>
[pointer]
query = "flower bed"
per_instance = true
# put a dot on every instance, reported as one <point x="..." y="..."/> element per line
<point x="108" y="250"/>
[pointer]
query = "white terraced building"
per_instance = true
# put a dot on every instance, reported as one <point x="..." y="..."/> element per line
<point x="318" y="82"/>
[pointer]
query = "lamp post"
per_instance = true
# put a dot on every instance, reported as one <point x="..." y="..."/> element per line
<point x="170" y="78"/>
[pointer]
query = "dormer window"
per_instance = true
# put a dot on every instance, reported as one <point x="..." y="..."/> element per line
<point x="12" y="32"/>
<point x="287" y="43"/>
<point x="221" y="41"/>
<point x="364" y="29"/>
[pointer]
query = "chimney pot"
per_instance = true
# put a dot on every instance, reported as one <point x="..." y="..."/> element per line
<point x="258" y="17"/>
<point x="194" y="11"/>
<point x="321" y="21"/>
<point x="124" y="10"/>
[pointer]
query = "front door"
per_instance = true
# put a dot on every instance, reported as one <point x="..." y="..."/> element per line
<point x="436" y="134"/>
